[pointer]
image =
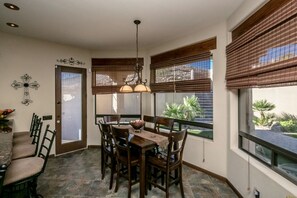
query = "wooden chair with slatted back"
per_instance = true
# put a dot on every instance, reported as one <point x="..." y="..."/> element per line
<point x="163" y="122"/>
<point x="124" y="156"/>
<point x="112" y="118"/>
<point x="108" y="151"/>
<point x="149" y="120"/>
<point x="169" y="163"/>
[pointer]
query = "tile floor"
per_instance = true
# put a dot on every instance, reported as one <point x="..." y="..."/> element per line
<point x="78" y="175"/>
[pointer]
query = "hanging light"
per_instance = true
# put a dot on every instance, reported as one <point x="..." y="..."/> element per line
<point x="140" y="85"/>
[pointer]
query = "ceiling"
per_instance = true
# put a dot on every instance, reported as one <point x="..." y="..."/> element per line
<point x="108" y="24"/>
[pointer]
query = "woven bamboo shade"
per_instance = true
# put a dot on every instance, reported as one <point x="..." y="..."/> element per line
<point x="109" y="74"/>
<point x="266" y="54"/>
<point x="186" y="69"/>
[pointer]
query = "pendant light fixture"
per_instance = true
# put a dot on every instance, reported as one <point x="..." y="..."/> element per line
<point x="140" y="85"/>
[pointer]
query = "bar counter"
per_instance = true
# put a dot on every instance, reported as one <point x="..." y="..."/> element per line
<point x="6" y="138"/>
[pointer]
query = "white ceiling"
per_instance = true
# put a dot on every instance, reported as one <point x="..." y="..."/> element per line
<point x="108" y="24"/>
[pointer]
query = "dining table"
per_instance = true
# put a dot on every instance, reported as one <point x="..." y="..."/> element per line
<point x="144" y="141"/>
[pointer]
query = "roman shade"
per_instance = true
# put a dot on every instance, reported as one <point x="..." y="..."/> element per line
<point x="265" y="54"/>
<point x="187" y="69"/>
<point x="109" y="74"/>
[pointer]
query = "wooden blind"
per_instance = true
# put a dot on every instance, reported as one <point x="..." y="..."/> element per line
<point x="266" y="54"/>
<point x="109" y="74"/>
<point x="195" y="57"/>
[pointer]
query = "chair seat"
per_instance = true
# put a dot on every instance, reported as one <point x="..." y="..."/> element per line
<point x="160" y="161"/>
<point x="20" y="134"/>
<point x="25" y="139"/>
<point x="22" y="169"/>
<point x="134" y="159"/>
<point x="23" y="150"/>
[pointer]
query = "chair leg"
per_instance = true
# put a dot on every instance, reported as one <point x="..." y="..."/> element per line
<point x="112" y="173"/>
<point x="102" y="165"/>
<point x="33" y="187"/>
<point x="118" y="176"/>
<point x="130" y="182"/>
<point x="181" y="182"/>
<point x="167" y="184"/>
<point x="149" y="178"/>
<point x="102" y="160"/>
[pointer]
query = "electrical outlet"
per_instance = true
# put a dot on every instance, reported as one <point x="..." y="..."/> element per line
<point x="256" y="193"/>
<point x="47" y="117"/>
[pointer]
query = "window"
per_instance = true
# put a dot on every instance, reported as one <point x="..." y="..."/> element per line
<point x="268" y="127"/>
<point x="262" y="65"/>
<point x="181" y="80"/>
<point x="108" y="75"/>
<point x="127" y="105"/>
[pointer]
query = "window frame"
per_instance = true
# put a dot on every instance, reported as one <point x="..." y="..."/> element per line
<point x="275" y="149"/>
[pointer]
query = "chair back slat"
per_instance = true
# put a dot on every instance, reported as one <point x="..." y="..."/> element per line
<point x="106" y="135"/>
<point x="163" y="121"/>
<point x="149" y="120"/>
<point x="33" y="124"/>
<point x="112" y="118"/>
<point x="121" y="139"/>
<point x="46" y="145"/>
<point x="37" y="131"/>
<point x="176" y="145"/>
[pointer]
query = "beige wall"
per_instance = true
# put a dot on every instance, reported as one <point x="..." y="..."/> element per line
<point x="269" y="183"/>
<point x="216" y="150"/>
<point x="20" y="55"/>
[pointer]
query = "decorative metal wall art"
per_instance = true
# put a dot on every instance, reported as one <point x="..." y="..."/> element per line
<point x="70" y="61"/>
<point x="26" y="84"/>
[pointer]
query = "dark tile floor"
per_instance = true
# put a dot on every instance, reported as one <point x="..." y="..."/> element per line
<point x="78" y="175"/>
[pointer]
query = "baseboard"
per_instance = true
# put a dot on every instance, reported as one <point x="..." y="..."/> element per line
<point x="94" y="146"/>
<point x="234" y="189"/>
<point x="219" y="177"/>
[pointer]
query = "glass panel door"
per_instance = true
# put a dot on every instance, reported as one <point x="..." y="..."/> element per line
<point x="70" y="109"/>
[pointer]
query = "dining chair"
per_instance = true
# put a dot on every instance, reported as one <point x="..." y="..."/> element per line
<point x="107" y="152"/>
<point x="149" y="122"/>
<point x="112" y="118"/>
<point x="163" y="122"/>
<point x="22" y="174"/>
<point x="22" y="149"/>
<point x="169" y="163"/>
<point x="127" y="159"/>
<point x="26" y="135"/>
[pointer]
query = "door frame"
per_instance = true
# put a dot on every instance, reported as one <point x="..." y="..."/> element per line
<point x="76" y="145"/>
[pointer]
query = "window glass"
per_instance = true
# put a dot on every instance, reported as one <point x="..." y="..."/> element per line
<point x="118" y="103"/>
<point x="269" y="116"/>
<point x="107" y="78"/>
<point x="196" y="107"/>
<point x="287" y="165"/>
<point x="190" y="71"/>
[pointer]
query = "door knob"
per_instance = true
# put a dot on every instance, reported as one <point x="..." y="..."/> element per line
<point x="58" y="121"/>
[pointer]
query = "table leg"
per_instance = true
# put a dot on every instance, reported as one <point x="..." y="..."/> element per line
<point x="142" y="174"/>
<point x="102" y="157"/>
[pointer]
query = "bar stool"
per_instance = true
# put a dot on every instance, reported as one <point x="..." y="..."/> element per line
<point x="24" y="172"/>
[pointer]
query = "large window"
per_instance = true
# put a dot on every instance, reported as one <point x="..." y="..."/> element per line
<point x="108" y="75"/>
<point x="262" y="65"/>
<point x="182" y="82"/>
<point x="268" y="127"/>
